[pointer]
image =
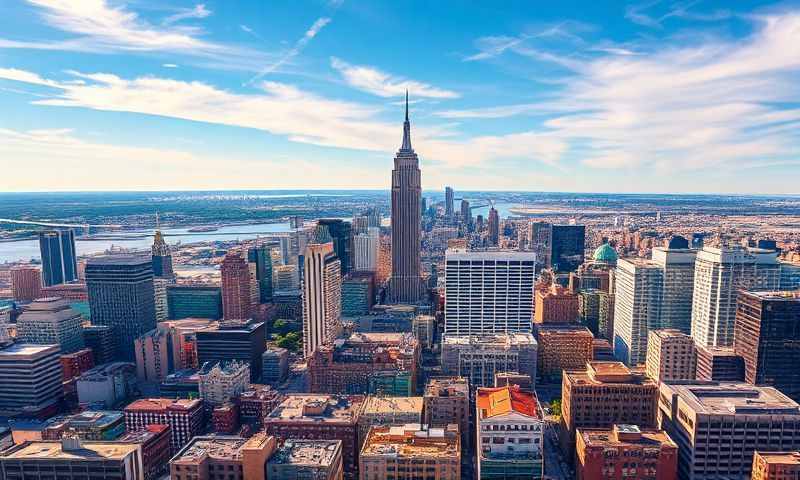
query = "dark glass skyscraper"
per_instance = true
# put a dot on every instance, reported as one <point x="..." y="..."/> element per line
<point x="162" y="257"/>
<point x="121" y="296"/>
<point x="341" y="233"/>
<point x="567" y="245"/>
<point x="406" y="217"/>
<point x="262" y="257"/>
<point x="494" y="227"/>
<point x="448" y="201"/>
<point x="59" y="262"/>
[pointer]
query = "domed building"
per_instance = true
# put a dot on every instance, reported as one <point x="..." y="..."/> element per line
<point x="606" y="254"/>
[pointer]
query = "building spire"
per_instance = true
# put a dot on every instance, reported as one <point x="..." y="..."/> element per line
<point x="406" y="130"/>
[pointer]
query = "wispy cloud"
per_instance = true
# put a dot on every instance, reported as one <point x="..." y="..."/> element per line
<point x="198" y="11"/>
<point x="494" y="46"/>
<point x="298" y="47"/>
<point x="382" y="84"/>
<point x="169" y="65"/>
<point x="638" y="13"/>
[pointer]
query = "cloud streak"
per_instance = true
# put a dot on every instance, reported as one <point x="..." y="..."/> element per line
<point x="298" y="47"/>
<point x="376" y="82"/>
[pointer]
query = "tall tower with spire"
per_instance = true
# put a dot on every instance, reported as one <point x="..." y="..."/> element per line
<point x="405" y="286"/>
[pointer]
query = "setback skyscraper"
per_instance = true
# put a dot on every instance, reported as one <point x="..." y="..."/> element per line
<point x="59" y="262"/>
<point x="406" y="192"/>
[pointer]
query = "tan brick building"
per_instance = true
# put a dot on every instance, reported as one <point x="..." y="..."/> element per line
<point x="446" y="401"/>
<point x="562" y="347"/>
<point x="234" y="458"/>
<point x="671" y="355"/>
<point x="555" y="305"/>
<point x="776" y="465"/>
<point x="411" y="452"/>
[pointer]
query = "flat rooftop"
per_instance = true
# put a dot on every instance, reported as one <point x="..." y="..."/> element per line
<point x="785" y="295"/>
<point x="319" y="453"/>
<point x="89" y="451"/>
<point x="378" y="405"/>
<point x="781" y="458"/>
<point x="21" y="350"/>
<point x="412" y="440"/>
<point x="454" y="255"/>
<point x="499" y="339"/>
<point x="119" y="259"/>
<point x="215" y="447"/>
<point x="158" y="404"/>
<point x="607" y="373"/>
<point x="318" y="408"/>
<point x="607" y="437"/>
<point x="447" y="387"/>
<point x="734" y="398"/>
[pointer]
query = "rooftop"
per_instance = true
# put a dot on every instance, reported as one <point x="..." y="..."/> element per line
<point x="97" y="418"/>
<point x="320" y="453"/>
<point x="782" y="458"/>
<point x="605" y="253"/>
<point x="17" y="350"/>
<point x="498" y="340"/>
<point x="392" y="404"/>
<point x="217" y="447"/>
<point x="88" y="451"/>
<point x="158" y="404"/>
<point x="503" y="400"/>
<point x="120" y="259"/>
<point x="624" y="435"/>
<point x="452" y="255"/>
<point x="412" y="440"/>
<point x="733" y="398"/>
<point x="318" y="408"/>
<point x="609" y="372"/>
<point x="788" y="296"/>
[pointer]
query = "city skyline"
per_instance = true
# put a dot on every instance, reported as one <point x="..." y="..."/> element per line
<point x="609" y="97"/>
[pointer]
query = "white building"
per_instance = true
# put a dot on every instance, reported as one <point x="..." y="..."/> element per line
<point x="478" y="358"/>
<point x="488" y="292"/>
<point x="322" y="296"/>
<point x="365" y="246"/>
<point x="719" y="274"/>
<point x="678" y="276"/>
<point x="220" y="383"/>
<point x="637" y="307"/>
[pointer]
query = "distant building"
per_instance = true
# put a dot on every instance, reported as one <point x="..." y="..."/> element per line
<point x="567" y="247"/>
<point x="449" y="202"/>
<point x="194" y="301"/>
<point x="365" y="250"/>
<point x="493" y="234"/>
<point x="771" y="465"/>
<point x="562" y="346"/>
<point x="447" y="401"/>
<point x="358" y="294"/>
<point x="121" y="296"/>
<point x="74" y="459"/>
<point x="320" y="417"/>
<point x="221" y="382"/>
<point x="671" y="355"/>
<point x="510" y="433"/>
<point x="488" y="292"/>
<point x="26" y="283"/>
<point x="720" y="364"/>
<point x="184" y="417"/>
<point x="31" y="378"/>
<point x="625" y="451"/>
<point x="237" y="457"/>
<point x="349" y="365"/>
<point x="589" y="309"/>
<point x="604" y="394"/>
<point x="479" y="358"/>
<point x="51" y="321"/>
<point x="261" y="257"/>
<point x="322" y="297"/>
<point x="59" y="258"/>
<point x="383" y="411"/>
<point x="243" y="341"/>
<point x="718" y="426"/>
<point x="286" y="278"/>
<point x="766" y="337"/>
<point x="274" y="365"/>
<point x="237" y="287"/>
<point x="400" y="451"/>
<point x="556" y="304"/>
<point x="306" y="459"/>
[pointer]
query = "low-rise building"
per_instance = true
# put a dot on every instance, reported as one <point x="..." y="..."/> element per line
<point x="555" y="304"/>
<point x="184" y="417"/>
<point x="104" y="386"/>
<point x="30" y="378"/>
<point x="225" y="418"/>
<point x="306" y="459"/>
<point x="510" y="433"/>
<point x="257" y="402"/>
<point x="479" y="358"/>
<point x="625" y="451"/>
<point x="412" y="452"/>
<point x="223" y="457"/>
<point x="388" y="411"/>
<point x="221" y="382"/>
<point x="88" y="425"/>
<point x="562" y="346"/>
<point x="154" y="441"/>
<point x="776" y="465"/>
<point x="671" y="355"/>
<point x="719" y="364"/>
<point x="446" y="401"/>
<point x="424" y="328"/>
<point x="274" y="365"/>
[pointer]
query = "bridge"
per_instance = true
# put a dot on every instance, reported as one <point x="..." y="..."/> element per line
<point x="58" y="225"/>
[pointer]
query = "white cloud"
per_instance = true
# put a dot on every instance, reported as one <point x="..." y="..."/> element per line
<point x="298" y="47"/>
<point x="376" y="82"/>
<point x="198" y="11"/>
<point x="169" y="65"/>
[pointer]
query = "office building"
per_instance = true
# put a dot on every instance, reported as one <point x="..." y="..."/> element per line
<point x="237" y="287"/>
<point x="603" y="394"/>
<point x="567" y="247"/>
<point x="562" y="346"/>
<point x="261" y="257"/>
<point x="322" y="297"/>
<point x="605" y="316"/>
<point x="223" y="457"/>
<point x="100" y="339"/>
<point x="106" y="385"/>
<point x="74" y="364"/>
<point x="30" y="378"/>
<point x="121" y="296"/>
<point x="720" y="364"/>
<point x="384" y="411"/>
<point x="449" y="202"/>
<point x="555" y="304"/>
<point x="222" y="381"/>
<point x="718" y="426"/>
<point x="257" y="402"/>
<point x="168" y="348"/>
<point x="478" y="358"/>
<point x="447" y="401"/>
<point x="160" y="300"/>
<point x="493" y="233"/>
<point x="406" y="286"/>
<point x="320" y="417"/>
<point x="162" y="257"/>
<point x="358" y="293"/>
<point x="488" y="292"/>
<point x="510" y="433"/>
<point x="306" y="459"/>
<point x="466" y="214"/>
<point x="719" y="274"/>
<point x="411" y="451"/>
<point x="87" y="425"/>
<point x="342" y="236"/>
<point x="194" y="301"/>
<point x="775" y="465"/>
<point x="637" y="307"/>
<point x="365" y="250"/>
<point x="287" y="278"/>
<point x="274" y="365"/>
<point x="75" y="292"/>
<point x="154" y="442"/>
<point x="51" y="321"/>
<point x="767" y="331"/>
<point x="59" y="258"/>
<point x="671" y="355"/>
<point x="26" y="283"/>
<point x="73" y="459"/>
<point x="184" y="417"/>
<point x="677" y="290"/>
<point x="625" y="451"/>
<point x="243" y="341"/>
<point x="349" y="365"/>
<point x="424" y="329"/>
<point x="589" y="309"/>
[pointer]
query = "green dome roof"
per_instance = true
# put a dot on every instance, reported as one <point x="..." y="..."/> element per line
<point x="605" y="253"/>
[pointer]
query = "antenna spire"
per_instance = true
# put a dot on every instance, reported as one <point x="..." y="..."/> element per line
<point x="406" y="130"/>
<point x="406" y="105"/>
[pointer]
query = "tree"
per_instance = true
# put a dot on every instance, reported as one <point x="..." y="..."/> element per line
<point x="290" y="341"/>
<point x="555" y="407"/>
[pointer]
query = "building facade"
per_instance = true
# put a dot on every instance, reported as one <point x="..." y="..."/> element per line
<point x="671" y="355"/>
<point x="562" y="347"/>
<point x="184" y="417"/>
<point x="239" y="458"/>
<point x="322" y="297"/>
<point x="30" y="378"/>
<point x="306" y="459"/>
<point x="637" y="307"/>
<point x="411" y="451"/>
<point x="221" y="382"/>
<point x="775" y="465"/>
<point x="238" y="284"/>
<point x="194" y="301"/>
<point x="59" y="260"/>
<point x="26" y="283"/>
<point x="556" y="304"/>
<point x="625" y="451"/>
<point x="479" y="358"/>
<point x="226" y="341"/>
<point x="51" y="321"/>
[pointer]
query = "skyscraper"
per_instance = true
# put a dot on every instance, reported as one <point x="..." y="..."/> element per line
<point x="406" y="192"/>
<point x="261" y="256"/>
<point x="466" y="213"/>
<point x="162" y="257"/>
<point x="494" y="227"/>
<point x="59" y="262"/>
<point x="567" y="245"/>
<point x="121" y="296"/>
<point x="637" y="310"/>
<point x="236" y="288"/>
<point x="341" y="234"/>
<point x="365" y="258"/>
<point x="322" y="296"/>
<point x="677" y="263"/>
<point x="448" y="202"/>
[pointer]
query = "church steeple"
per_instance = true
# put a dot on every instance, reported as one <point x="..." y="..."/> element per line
<point x="406" y="131"/>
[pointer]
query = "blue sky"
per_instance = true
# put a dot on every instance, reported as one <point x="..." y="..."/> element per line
<point x="653" y="96"/>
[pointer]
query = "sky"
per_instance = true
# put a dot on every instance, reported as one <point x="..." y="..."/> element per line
<point x="592" y="96"/>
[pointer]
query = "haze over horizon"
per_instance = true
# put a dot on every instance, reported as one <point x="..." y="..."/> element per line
<point x="607" y="97"/>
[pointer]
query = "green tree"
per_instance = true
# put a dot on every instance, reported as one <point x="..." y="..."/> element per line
<point x="555" y="406"/>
